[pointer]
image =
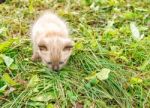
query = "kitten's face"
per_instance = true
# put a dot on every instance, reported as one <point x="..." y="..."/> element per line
<point x="55" y="52"/>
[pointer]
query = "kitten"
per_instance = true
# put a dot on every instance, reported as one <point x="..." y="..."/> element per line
<point x="50" y="40"/>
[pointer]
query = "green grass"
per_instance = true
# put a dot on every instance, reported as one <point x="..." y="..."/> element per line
<point x="101" y="29"/>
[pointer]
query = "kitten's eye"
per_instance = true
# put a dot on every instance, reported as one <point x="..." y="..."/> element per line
<point x="42" y="48"/>
<point x="67" y="48"/>
<point x="49" y="62"/>
<point x="61" y="62"/>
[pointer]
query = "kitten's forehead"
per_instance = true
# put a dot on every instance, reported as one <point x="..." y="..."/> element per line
<point x="57" y="41"/>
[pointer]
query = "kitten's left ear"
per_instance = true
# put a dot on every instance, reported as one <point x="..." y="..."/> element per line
<point x="68" y="44"/>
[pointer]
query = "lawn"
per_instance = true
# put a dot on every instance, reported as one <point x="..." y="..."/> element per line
<point x="109" y="67"/>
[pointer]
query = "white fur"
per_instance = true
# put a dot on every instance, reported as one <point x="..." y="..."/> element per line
<point x="48" y="22"/>
<point x="56" y="40"/>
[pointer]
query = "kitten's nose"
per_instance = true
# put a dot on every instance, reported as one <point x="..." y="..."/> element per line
<point x="55" y="67"/>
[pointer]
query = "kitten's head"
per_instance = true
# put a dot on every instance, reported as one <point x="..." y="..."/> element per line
<point x="55" y="51"/>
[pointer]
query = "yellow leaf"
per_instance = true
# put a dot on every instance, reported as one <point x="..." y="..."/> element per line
<point x="103" y="74"/>
<point x="8" y="61"/>
<point x="91" y="76"/>
<point x="33" y="81"/>
<point x="136" y="80"/>
<point x="8" y="79"/>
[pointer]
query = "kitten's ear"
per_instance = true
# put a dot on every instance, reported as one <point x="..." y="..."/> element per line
<point x="68" y="44"/>
<point x="42" y="46"/>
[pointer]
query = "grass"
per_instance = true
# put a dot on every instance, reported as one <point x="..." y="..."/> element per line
<point x="101" y="30"/>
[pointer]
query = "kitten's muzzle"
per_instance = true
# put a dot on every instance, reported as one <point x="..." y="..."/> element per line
<point x="55" y="68"/>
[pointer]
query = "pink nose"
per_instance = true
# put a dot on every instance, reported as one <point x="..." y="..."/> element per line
<point x="55" y="67"/>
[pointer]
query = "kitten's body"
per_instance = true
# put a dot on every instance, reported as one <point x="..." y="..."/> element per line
<point x="50" y="41"/>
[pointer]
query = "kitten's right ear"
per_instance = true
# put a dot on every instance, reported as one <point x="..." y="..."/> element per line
<point x="42" y="46"/>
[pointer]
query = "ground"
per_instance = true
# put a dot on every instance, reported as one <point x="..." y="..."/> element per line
<point x="109" y="67"/>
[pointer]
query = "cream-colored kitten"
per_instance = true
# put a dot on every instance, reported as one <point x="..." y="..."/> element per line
<point x="50" y="41"/>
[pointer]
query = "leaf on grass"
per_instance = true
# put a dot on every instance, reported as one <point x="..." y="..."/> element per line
<point x="110" y="24"/>
<point x="37" y="104"/>
<point x="8" y="61"/>
<point x="91" y="76"/>
<point x="14" y="67"/>
<point x="103" y="74"/>
<point x="136" y="80"/>
<point x="5" y="45"/>
<point x="33" y="81"/>
<point x="135" y="31"/>
<point x="43" y="97"/>
<point x="8" y="79"/>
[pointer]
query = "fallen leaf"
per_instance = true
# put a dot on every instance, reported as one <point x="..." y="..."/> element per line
<point x="33" y="81"/>
<point x="135" y="32"/>
<point x="136" y="80"/>
<point x="43" y="97"/>
<point x="8" y="79"/>
<point x="8" y="61"/>
<point x="110" y="24"/>
<point x="103" y="74"/>
<point x="14" y="67"/>
<point x="5" y="45"/>
<point x="91" y="76"/>
<point x="35" y="104"/>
